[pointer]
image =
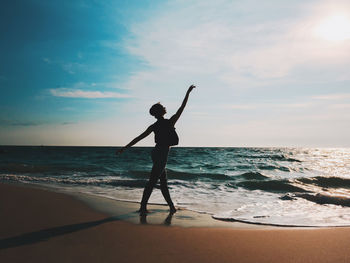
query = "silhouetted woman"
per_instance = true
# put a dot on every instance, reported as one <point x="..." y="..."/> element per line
<point x="165" y="136"/>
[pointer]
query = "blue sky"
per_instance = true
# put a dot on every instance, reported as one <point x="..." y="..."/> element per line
<point x="269" y="73"/>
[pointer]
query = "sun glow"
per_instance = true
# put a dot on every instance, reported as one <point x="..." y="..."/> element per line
<point x="334" y="28"/>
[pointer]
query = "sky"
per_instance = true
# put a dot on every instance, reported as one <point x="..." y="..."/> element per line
<point x="85" y="72"/>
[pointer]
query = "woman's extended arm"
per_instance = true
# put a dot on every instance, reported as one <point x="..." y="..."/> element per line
<point x="137" y="139"/>
<point x="177" y="115"/>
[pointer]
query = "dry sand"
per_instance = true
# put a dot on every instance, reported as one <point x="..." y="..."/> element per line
<point x="39" y="225"/>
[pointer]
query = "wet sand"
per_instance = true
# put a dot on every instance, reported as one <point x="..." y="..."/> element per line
<point x="39" y="225"/>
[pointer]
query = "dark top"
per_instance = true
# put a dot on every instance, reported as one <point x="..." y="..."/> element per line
<point x="165" y="134"/>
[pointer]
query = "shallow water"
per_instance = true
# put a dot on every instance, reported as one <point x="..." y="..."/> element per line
<point x="281" y="186"/>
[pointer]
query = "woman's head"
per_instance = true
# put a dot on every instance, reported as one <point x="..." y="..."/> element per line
<point x="157" y="110"/>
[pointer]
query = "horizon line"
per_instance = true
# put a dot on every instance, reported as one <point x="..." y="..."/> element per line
<point x="114" y="146"/>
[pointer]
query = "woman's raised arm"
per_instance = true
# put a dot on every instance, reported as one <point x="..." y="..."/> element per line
<point x="177" y="115"/>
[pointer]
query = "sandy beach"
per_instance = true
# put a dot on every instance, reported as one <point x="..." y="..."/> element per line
<point x="39" y="225"/>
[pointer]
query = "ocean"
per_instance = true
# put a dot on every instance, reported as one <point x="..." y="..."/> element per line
<point x="273" y="186"/>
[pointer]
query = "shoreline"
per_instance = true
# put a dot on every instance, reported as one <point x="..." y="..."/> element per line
<point x="182" y="218"/>
<point x="159" y="213"/>
<point x="39" y="225"/>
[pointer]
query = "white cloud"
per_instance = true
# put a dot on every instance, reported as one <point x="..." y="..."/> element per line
<point x="334" y="96"/>
<point x="268" y="106"/>
<point x="78" y="93"/>
<point x="202" y="38"/>
<point x="89" y="91"/>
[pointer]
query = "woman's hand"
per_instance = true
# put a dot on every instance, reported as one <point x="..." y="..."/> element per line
<point x="191" y="88"/>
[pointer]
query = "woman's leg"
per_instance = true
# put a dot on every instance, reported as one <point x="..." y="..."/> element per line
<point x="149" y="187"/>
<point x="165" y="191"/>
<point x="159" y="158"/>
